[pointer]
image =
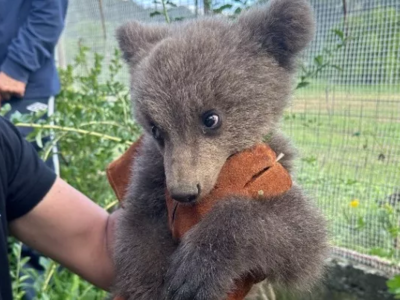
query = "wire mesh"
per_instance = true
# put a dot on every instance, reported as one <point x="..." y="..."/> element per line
<point x="345" y="122"/>
<point x="347" y="126"/>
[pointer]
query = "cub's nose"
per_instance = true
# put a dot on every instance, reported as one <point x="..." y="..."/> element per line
<point x="185" y="194"/>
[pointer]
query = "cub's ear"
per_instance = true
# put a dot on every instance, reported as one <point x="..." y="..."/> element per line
<point x="136" y="39"/>
<point x="283" y="28"/>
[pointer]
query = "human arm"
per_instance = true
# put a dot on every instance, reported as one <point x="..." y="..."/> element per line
<point x="71" y="229"/>
<point x="51" y="216"/>
<point x="35" y="41"/>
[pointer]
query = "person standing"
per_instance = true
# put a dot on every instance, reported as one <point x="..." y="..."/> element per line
<point x="29" y="32"/>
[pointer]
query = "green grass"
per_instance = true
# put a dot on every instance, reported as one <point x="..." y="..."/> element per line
<point x="350" y="149"/>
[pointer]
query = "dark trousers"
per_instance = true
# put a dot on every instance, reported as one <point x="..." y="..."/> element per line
<point x="25" y="106"/>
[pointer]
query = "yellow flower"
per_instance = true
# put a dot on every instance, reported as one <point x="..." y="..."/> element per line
<point x="355" y="203"/>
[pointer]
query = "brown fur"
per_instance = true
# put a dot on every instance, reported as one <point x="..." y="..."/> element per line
<point x="243" y="70"/>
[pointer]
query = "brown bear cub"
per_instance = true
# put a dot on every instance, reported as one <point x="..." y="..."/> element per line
<point x="204" y="90"/>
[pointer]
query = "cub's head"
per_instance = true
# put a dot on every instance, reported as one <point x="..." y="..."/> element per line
<point x="208" y="88"/>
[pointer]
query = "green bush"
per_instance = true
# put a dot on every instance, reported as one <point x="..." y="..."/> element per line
<point x="92" y="126"/>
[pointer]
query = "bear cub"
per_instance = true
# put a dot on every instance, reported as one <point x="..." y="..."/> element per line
<point x="203" y="90"/>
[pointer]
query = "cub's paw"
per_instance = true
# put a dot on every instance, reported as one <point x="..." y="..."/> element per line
<point x="194" y="276"/>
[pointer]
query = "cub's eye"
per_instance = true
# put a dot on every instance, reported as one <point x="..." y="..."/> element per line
<point x="156" y="132"/>
<point x="211" y="120"/>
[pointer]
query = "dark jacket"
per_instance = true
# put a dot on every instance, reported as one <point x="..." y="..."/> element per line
<point x="29" y="32"/>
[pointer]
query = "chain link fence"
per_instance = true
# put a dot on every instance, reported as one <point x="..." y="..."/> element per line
<point x="345" y="119"/>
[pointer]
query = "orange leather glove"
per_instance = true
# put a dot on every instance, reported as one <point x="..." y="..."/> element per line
<point x="254" y="173"/>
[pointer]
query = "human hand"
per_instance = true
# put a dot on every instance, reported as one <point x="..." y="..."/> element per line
<point x="10" y="87"/>
<point x="4" y="97"/>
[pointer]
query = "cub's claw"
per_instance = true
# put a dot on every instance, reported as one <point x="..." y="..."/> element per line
<point x="192" y="277"/>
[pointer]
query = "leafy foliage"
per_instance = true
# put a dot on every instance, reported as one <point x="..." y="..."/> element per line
<point x="323" y="61"/>
<point x="92" y="126"/>
<point x="394" y="286"/>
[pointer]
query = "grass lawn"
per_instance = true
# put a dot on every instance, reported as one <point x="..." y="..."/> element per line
<point x="349" y="142"/>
